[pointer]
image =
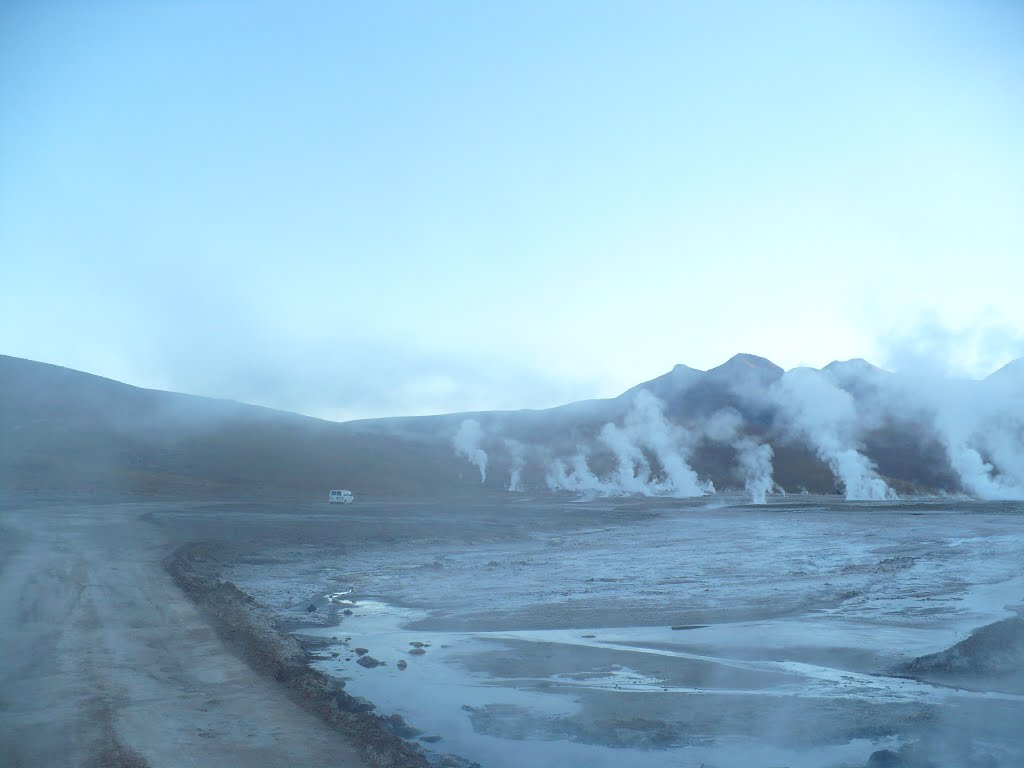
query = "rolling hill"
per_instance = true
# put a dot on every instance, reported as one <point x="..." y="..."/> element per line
<point x="68" y="431"/>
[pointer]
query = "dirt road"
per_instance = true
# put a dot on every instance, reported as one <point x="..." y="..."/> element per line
<point x="103" y="662"/>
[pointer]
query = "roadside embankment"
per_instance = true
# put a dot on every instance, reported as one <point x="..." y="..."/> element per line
<point x="250" y="631"/>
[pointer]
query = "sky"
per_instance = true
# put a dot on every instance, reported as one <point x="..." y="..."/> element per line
<point x="365" y="209"/>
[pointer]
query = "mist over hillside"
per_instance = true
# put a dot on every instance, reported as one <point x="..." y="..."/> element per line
<point x="74" y="432"/>
<point x="747" y="425"/>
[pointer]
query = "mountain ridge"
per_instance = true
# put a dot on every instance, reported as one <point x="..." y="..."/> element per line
<point x="69" y="429"/>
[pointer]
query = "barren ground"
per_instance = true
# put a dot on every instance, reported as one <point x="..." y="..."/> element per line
<point x="605" y="633"/>
<point x="106" y="663"/>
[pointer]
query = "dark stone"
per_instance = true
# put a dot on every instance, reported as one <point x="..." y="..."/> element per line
<point x="361" y="651"/>
<point x="369" y="662"/>
<point x="310" y="608"/>
<point x="402" y="664"/>
<point x="400" y="727"/>
<point x="417" y="651"/>
<point x="359" y="704"/>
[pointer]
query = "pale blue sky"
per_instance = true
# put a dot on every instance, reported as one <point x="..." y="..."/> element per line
<point x="354" y="209"/>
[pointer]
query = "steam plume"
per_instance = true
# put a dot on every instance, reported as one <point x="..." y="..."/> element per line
<point x="645" y="432"/>
<point x="754" y="458"/>
<point x="632" y="472"/>
<point x="467" y="443"/>
<point x="825" y="415"/>
<point x="518" y="461"/>
<point x="983" y="435"/>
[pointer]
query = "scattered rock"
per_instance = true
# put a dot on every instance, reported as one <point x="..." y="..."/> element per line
<point x="891" y="564"/>
<point x="335" y="654"/>
<point x="400" y="727"/>
<point x="402" y="664"/>
<point x="430" y="739"/>
<point x="360" y="704"/>
<point x="417" y="651"/>
<point x="362" y="651"/>
<point x="418" y="644"/>
<point x="369" y="662"/>
<point x="347" y="612"/>
<point x="310" y="608"/>
<point x="314" y="643"/>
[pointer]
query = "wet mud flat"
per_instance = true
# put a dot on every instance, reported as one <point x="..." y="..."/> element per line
<point x="545" y="632"/>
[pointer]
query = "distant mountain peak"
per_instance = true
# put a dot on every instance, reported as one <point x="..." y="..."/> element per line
<point x="668" y="385"/>
<point x="745" y="365"/>
<point x="750" y="361"/>
<point x="853" y="365"/>
<point x="1012" y="372"/>
<point x="679" y="368"/>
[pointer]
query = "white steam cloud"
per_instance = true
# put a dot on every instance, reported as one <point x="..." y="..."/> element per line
<point x="754" y="458"/>
<point x="517" y="460"/>
<point x="632" y="472"/>
<point x="981" y="428"/>
<point x="467" y="443"/>
<point x="980" y="425"/>
<point x="576" y="476"/>
<point x="930" y="431"/>
<point x="645" y="432"/>
<point x="826" y="417"/>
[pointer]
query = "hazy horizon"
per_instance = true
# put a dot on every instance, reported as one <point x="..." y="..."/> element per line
<point x="356" y="211"/>
<point x="930" y="372"/>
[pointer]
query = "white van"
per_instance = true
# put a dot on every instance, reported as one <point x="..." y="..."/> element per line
<point x="341" y="497"/>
